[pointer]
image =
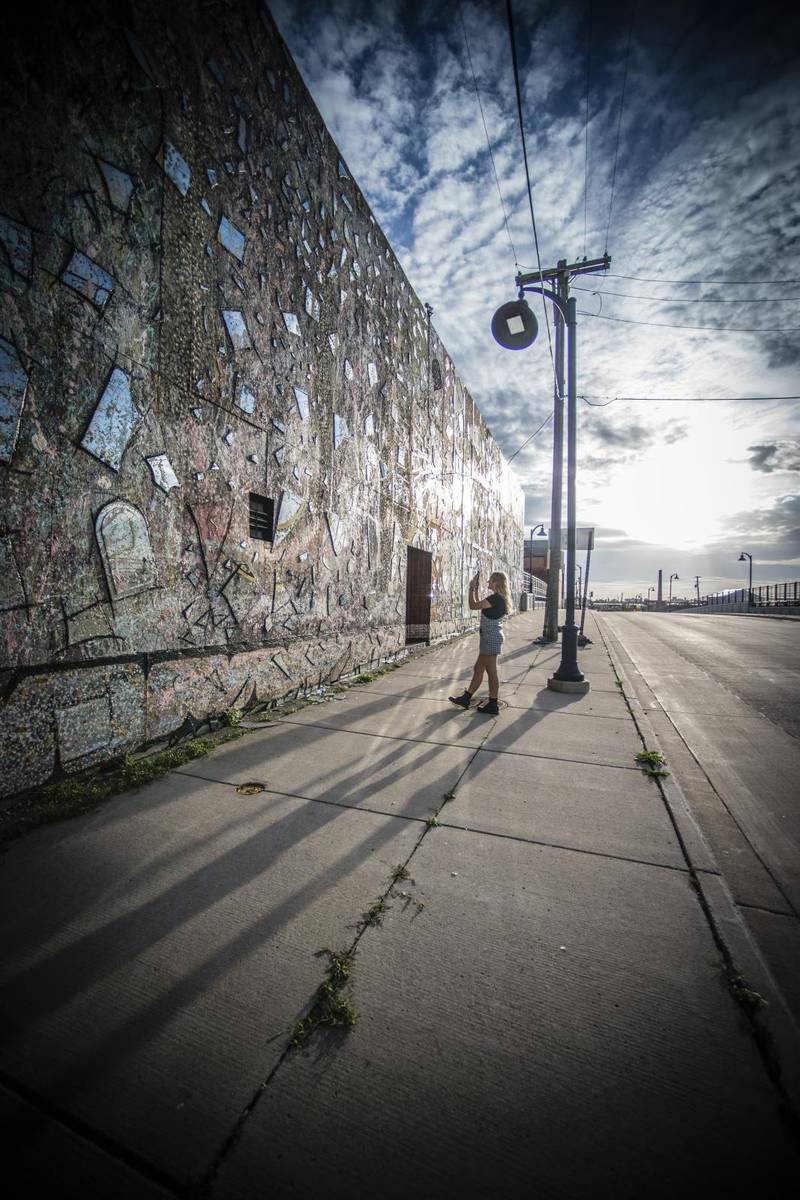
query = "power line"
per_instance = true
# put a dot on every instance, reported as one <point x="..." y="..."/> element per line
<point x="687" y="299"/>
<point x="530" y="439"/>
<point x="708" y="328"/>
<point x="528" y="175"/>
<point x="682" y="400"/>
<point x="486" y="131"/>
<point x="586" y="124"/>
<point x="705" y="280"/>
<point x="619" y="122"/>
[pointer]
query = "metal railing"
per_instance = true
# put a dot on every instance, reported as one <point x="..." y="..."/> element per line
<point x="532" y="583"/>
<point x="766" y="595"/>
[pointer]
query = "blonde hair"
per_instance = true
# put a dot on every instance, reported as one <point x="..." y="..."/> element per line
<point x="500" y="580"/>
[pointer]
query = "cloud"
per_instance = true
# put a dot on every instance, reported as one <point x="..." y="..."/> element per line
<point x="703" y="189"/>
<point x="775" y="456"/>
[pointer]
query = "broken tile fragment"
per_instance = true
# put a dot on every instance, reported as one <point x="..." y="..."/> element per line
<point x="236" y="327"/>
<point x="113" y="422"/>
<point x="163" y="474"/>
<point x="175" y="167"/>
<point x="119" y="185"/>
<point x="231" y="238"/>
<point x="88" y="279"/>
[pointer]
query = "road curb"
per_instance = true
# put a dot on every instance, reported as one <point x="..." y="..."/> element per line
<point x="774" y="1026"/>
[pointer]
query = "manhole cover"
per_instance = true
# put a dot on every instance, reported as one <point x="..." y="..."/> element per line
<point x="250" y="789"/>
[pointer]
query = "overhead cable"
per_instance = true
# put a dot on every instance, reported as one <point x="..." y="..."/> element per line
<point x="619" y="123"/>
<point x="528" y="175"/>
<point x="705" y="280"/>
<point x="486" y="131"/>
<point x="549" y="417"/>
<point x="586" y="123"/>
<point x="706" y="328"/>
<point x="682" y="400"/>
<point x="688" y="299"/>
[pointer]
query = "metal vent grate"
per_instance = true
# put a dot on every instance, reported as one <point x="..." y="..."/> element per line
<point x="262" y="517"/>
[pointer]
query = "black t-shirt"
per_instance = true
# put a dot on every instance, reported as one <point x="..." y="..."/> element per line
<point x="497" y="607"/>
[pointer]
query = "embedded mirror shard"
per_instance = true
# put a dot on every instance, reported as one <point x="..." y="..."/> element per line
<point x="175" y="167"/>
<point x="163" y="474"/>
<point x="119" y="185"/>
<point x="289" y="512"/>
<point x="124" y="543"/>
<point x="13" y="389"/>
<point x="301" y="399"/>
<point x="88" y="279"/>
<point x="113" y="421"/>
<point x="236" y="327"/>
<point x="340" y="430"/>
<point x="246" y="400"/>
<point x="231" y="238"/>
<point x="291" y="322"/>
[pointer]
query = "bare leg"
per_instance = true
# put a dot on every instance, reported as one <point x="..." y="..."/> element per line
<point x="477" y="675"/>
<point x="491" y="671"/>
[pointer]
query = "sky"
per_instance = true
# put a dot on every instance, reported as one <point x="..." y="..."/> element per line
<point x="668" y="134"/>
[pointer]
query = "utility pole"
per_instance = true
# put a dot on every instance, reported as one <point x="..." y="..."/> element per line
<point x="560" y="277"/>
<point x="697" y="586"/>
<point x="550" y="631"/>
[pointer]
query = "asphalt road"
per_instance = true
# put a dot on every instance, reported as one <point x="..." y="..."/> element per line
<point x="755" y="658"/>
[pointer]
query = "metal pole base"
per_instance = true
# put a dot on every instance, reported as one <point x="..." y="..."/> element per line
<point x="568" y="685"/>
<point x="569" y="677"/>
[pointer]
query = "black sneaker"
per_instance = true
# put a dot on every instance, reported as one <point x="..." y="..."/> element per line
<point x="489" y="707"/>
<point x="462" y="701"/>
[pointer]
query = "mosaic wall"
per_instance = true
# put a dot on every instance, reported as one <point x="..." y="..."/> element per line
<point x="205" y="340"/>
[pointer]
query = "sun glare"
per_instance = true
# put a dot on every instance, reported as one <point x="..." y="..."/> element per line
<point x="680" y="494"/>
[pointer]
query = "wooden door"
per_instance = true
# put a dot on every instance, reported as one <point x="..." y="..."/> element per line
<point x="418" y="595"/>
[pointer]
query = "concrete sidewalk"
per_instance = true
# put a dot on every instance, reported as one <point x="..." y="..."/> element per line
<point x="543" y="960"/>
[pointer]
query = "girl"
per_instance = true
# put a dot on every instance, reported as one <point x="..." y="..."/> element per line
<point x="496" y="606"/>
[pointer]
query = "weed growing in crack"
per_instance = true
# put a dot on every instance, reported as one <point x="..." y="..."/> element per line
<point x="231" y="717"/>
<point x="330" y="1007"/>
<point x="451" y="795"/>
<point x="652" y="762"/>
<point x="374" y="916"/>
<point x="366" y="677"/>
<point x="748" y="997"/>
<point x="432" y="823"/>
<point x="400" y="874"/>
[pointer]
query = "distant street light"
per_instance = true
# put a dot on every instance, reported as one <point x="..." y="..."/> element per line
<point x="670" y="587"/>
<point x="649" y="590"/>
<point x="742" y="557"/>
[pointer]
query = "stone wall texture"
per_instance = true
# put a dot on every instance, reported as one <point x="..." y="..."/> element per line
<point x="224" y="414"/>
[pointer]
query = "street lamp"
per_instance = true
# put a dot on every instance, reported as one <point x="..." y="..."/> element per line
<point x="515" y="328"/>
<point x="670" y="587"/>
<point x="741" y="558"/>
<point x="649" y="590"/>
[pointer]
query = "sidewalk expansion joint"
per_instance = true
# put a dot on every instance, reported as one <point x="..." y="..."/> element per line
<point x="529" y="841"/>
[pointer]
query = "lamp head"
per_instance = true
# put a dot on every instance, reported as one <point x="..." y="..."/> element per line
<point x="514" y="326"/>
<point x="742" y="557"/>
